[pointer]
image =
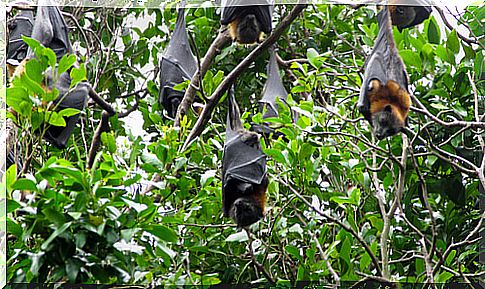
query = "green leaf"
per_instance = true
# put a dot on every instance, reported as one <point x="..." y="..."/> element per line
<point x="443" y="277"/>
<point x="450" y="257"/>
<point x="452" y="43"/>
<point x="345" y="254"/>
<point x="78" y="75"/>
<point x="51" y="95"/>
<point x="66" y="62"/>
<point x="16" y="96"/>
<point x="34" y="45"/>
<point x="11" y="177"/>
<point x="12" y="206"/>
<point x="276" y="154"/>
<point x="54" y="235"/>
<point x="50" y="57"/>
<point x="109" y="141"/>
<point x="69" y="112"/>
<point x="314" y="58"/>
<point x="54" y="216"/>
<point x="294" y="251"/>
<point x="445" y="54"/>
<point x="54" y="118"/>
<point x="411" y="58"/>
<point x="163" y="232"/>
<point x="33" y="69"/>
<point x="25" y="185"/>
<point x="433" y="32"/>
<point x="14" y="228"/>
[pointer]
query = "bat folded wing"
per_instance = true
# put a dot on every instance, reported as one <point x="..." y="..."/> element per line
<point x="21" y="25"/>
<point x="178" y="64"/>
<point x="76" y="98"/>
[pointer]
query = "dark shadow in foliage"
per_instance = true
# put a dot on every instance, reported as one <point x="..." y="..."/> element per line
<point x="178" y="64"/>
<point x="51" y="30"/>
<point x="247" y="19"/>
<point x="244" y="175"/>
<point x="384" y="98"/>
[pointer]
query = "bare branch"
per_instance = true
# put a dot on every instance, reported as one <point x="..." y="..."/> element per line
<point x="340" y="223"/>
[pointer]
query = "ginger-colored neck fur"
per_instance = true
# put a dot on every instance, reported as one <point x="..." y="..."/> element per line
<point x="389" y="94"/>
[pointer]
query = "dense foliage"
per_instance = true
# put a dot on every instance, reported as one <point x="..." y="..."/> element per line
<point x="341" y="205"/>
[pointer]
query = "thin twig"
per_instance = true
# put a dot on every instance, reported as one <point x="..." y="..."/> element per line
<point x="253" y="258"/>
<point x="340" y="223"/>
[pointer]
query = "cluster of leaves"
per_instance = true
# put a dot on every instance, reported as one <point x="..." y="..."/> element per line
<point x="67" y="223"/>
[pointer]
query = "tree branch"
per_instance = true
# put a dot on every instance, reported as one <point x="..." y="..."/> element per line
<point x="231" y="77"/>
<point x="189" y="96"/>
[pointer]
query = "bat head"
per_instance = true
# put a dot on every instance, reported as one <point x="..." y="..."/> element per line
<point x="246" y="211"/>
<point x="402" y="16"/>
<point x="250" y="138"/>
<point x="248" y="29"/>
<point x="389" y="107"/>
<point x="386" y="123"/>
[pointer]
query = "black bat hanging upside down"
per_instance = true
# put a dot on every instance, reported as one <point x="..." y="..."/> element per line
<point x="51" y="30"/>
<point x="20" y="25"/>
<point x="409" y="13"/>
<point x="244" y="175"/>
<point x="248" y="20"/>
<point x="384" y="98"/>
<point x="178" y="64"/>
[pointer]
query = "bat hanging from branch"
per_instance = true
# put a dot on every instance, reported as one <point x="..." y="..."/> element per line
<point x="51" y="30"/>
<point x="178" y="64"/>
<point x="20" y="25"/>
<point x="384" y="97"/>
<point x="409" y="13"/>
<point x="273" y="89"/>
<point x="248" y="20"/>
<point x="244" y="175"/>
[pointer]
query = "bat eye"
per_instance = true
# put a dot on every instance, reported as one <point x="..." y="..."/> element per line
<point x="400" y="10"/>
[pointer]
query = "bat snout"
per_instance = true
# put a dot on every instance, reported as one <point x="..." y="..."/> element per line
<point x="248" y="30"/>
<point x="246" y="211"/>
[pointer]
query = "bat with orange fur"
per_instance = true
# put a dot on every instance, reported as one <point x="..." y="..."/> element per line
<point x="244" y="175"/>
<point x="384" y="98"/>
<point x="248" y="20"/>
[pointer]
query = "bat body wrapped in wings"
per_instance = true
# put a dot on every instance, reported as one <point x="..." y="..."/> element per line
<point x="51" y="30"/>
<point x="244" y="175"/>
<point x="178" y="64"/>
<point x="247" y="19"/>
<point x="273" y="89"/>
<point x="409" y="13"/>
<point x="20" y="25"/>
<point x="384" y="97"/>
